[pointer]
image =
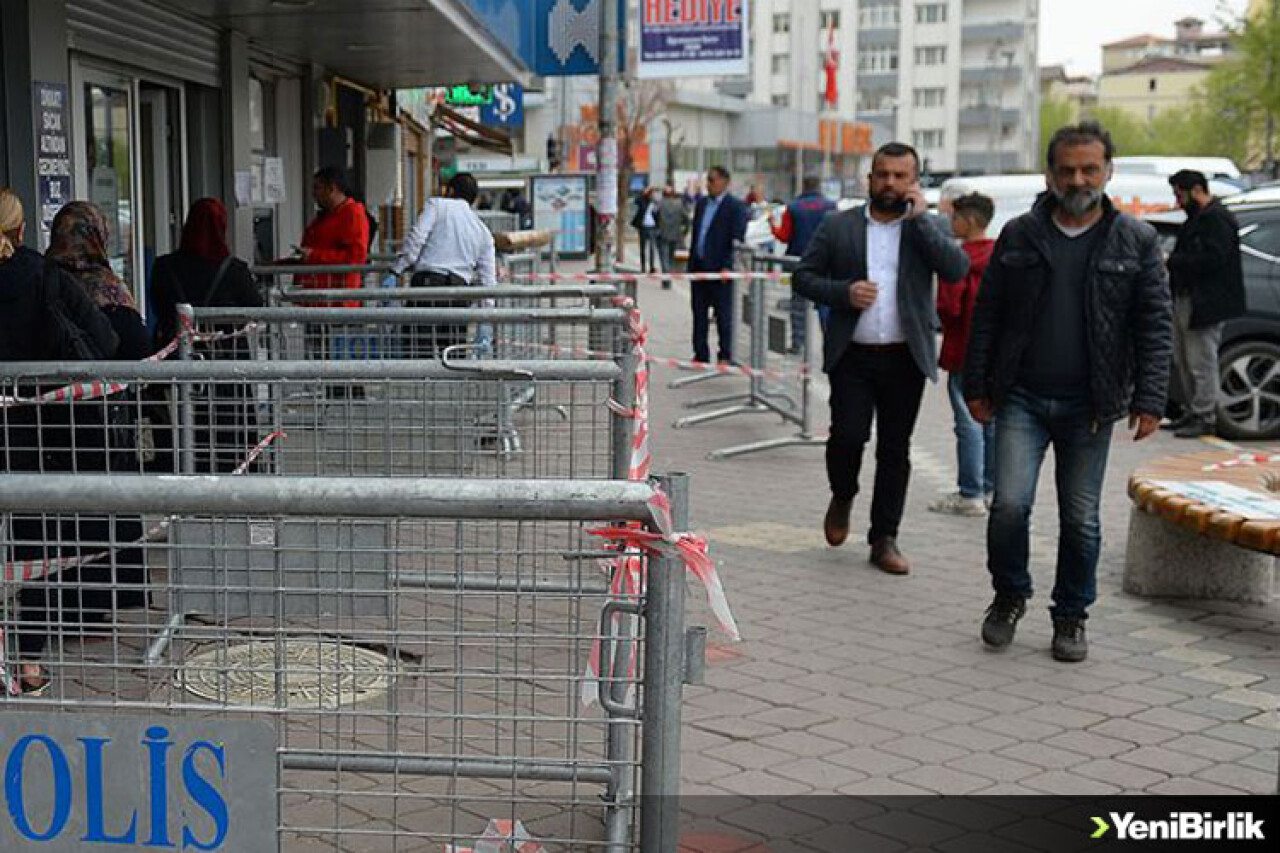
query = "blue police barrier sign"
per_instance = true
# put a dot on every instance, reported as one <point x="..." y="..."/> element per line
<point x="76" y="782"/>
<point x="507" y="107"/>
<point x="567" y="36"/>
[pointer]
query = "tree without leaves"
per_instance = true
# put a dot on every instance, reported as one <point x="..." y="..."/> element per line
<point x="639" y="104"/>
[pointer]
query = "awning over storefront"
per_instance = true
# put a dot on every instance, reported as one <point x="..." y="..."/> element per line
<point x="388" y="44"/>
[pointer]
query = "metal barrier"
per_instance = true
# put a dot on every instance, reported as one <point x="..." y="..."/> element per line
<point x="499" y="220"/>
<point x="495" y="419"/>
<point x="335" y="334"/>
<point x="382" y="664"/>
<point x="781" y="336"/>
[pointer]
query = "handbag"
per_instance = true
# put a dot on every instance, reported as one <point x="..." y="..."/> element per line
<point x="67" y="341"/>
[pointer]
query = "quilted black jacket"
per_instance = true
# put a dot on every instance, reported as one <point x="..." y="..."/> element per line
<point x="1128" y="313"/>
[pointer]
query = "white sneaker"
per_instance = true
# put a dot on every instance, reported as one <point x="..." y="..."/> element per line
<point x="957" y="504"/>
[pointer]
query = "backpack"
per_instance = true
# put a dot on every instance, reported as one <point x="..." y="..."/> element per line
<point x="67" y="341"/>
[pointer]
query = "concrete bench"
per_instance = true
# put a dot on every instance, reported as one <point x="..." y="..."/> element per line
<point x="1205" y="525"/>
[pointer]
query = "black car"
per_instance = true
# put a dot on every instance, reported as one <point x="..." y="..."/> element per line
<point x="1249" y="361"/>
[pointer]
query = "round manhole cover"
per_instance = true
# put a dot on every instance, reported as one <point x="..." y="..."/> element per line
<point x="316" y="676"/>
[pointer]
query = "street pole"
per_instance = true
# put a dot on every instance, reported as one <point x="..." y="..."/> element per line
<point x="1271" y="81"/>
<point x="607" y="155"/>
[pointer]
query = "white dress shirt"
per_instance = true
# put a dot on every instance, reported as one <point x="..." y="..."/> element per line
<point x="880" y="323"/>
<point x="450" y="238"/>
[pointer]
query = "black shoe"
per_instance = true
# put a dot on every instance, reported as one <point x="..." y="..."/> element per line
<point x="1176" y="423"/>
<point x="1069" y="643"/>
<point x="1002" y="620"/>
<point x="1195" y="428"/>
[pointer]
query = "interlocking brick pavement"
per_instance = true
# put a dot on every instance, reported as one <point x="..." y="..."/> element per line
<point x="848" y="680"/>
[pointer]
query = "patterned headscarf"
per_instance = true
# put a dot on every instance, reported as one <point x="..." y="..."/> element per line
<point x="78" y="242"/>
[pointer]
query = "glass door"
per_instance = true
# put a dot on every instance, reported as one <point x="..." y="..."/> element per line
<point x="104" y="116"/>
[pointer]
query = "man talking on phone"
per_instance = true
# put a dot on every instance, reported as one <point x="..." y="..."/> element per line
<point x="873" y="267"/>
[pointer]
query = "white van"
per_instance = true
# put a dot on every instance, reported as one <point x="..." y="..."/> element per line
<point x="1014" y="195"/>
<point x="1210" y="167"/>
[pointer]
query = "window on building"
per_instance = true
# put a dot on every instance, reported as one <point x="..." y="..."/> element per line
<point x="781" y="100"/>
<point x="928" y="140"/>
<point x="1151" y="85"/>
<point x="931" y="13"/>
<point x="878" y="16"/>
<point x="930" y="97"/>
<point x="931" y="55"/>
<point x="782" y="23"/>
<point x="830" y="20"/>
<point x="878" y="59"/>
<point x="781" y="63"/>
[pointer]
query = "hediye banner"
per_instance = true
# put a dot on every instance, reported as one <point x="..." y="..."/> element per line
<point x="692" y="38"/>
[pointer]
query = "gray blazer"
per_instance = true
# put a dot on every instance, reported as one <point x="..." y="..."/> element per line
<point x="837" y="257"/>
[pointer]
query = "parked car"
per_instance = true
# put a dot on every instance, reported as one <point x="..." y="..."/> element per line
<point x="1249" y="361"/>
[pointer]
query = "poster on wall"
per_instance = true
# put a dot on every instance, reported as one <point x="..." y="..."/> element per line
<point x="53" y="153"/>
<point x="560" y="205"/>
<point x="682" y="39"/>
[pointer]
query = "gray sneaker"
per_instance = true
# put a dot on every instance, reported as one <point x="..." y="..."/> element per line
<point x="1002" y="620"/>
<point x="1069" y="643"/>
<point x="957" y="504"/>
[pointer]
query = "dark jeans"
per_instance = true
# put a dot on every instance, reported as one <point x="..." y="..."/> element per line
<point x="648" y="249"/>
<point x="432" y="341"/>
<point x="1026" y="426"/>
<point x="883" y="384"/>
<point x="709" y="296"/>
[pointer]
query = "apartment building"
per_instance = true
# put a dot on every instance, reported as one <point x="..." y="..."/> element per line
<point x="957" y="78"/>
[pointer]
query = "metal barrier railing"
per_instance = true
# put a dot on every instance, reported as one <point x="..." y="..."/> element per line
<point x="495" y="419"/>
<point x="780" y="335"/>
<point x="295" y="333"/>
<point x="380" y="663"/>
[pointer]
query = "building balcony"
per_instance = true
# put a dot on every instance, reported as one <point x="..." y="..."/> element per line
<point x="985" y="116"/>
<point x="880" y="37"/>
<point x="989" y="162"/>
<point x="878" y="81"/>
<point x="1009" y="32"/>
<point x="987" y="74"/>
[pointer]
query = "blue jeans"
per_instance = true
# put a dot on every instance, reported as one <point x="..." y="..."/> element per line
<point x="1026" y="425"/>
<point x="975" y="445"/>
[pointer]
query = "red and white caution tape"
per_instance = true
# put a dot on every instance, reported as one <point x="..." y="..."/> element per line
<point x="78" y="391"/>
<point x="626" y="573"/>
<point x="1245" y="460"/>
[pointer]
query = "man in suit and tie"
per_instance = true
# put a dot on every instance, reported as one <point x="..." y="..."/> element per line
<point x="719" y="220"/>
<point x="873" y="267"/>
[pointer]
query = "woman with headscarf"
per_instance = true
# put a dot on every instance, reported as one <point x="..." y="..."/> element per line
<point x="78" y="244"/>
<point x="203" y="273"/>
<point x="58" y="438"/>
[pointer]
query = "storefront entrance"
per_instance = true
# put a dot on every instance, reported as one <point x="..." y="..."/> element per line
<point x="129" y="163"/>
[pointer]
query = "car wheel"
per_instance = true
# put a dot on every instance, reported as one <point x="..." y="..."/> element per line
<point x="1249" y="383"/>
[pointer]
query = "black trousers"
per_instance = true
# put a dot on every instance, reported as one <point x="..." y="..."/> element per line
<point x="708" y="296"/>
<point x="432" y="341"/>
<point x="884" y="384"/>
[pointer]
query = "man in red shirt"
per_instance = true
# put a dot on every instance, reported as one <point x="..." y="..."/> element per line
<point x="338" y="235"/>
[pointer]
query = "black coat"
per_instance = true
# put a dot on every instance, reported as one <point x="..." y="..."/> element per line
<point x="24" y="324"/>
<point x="180" y="277"/>
<point x="1206" y="264"/>
<point x="837" y="257"/>
<point x="1128" y="313"/>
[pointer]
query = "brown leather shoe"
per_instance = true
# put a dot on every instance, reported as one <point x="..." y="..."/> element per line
<point x="886" y="557"/>
<point x="836" y="523"/>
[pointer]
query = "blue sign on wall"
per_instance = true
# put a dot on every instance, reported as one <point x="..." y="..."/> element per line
<point x="506" y="110"/>
<point x="554" y="38"/>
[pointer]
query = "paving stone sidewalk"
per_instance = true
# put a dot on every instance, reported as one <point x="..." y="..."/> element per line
<point x="855" y="682"/>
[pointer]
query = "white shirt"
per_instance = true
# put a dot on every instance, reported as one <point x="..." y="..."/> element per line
<point x="880" y="323"/>
<point x="450" y="238"/>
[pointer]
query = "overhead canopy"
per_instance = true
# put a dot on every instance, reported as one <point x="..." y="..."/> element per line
<point x="388" y="44"/>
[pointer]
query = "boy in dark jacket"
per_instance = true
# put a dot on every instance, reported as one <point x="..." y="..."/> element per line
<point x="975" y="442"/>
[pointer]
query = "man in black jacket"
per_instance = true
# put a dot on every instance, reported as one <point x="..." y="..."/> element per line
<point x="1072" y="331"/>
<point x="1208" y="289"/>
<point x="874" y="268"/>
